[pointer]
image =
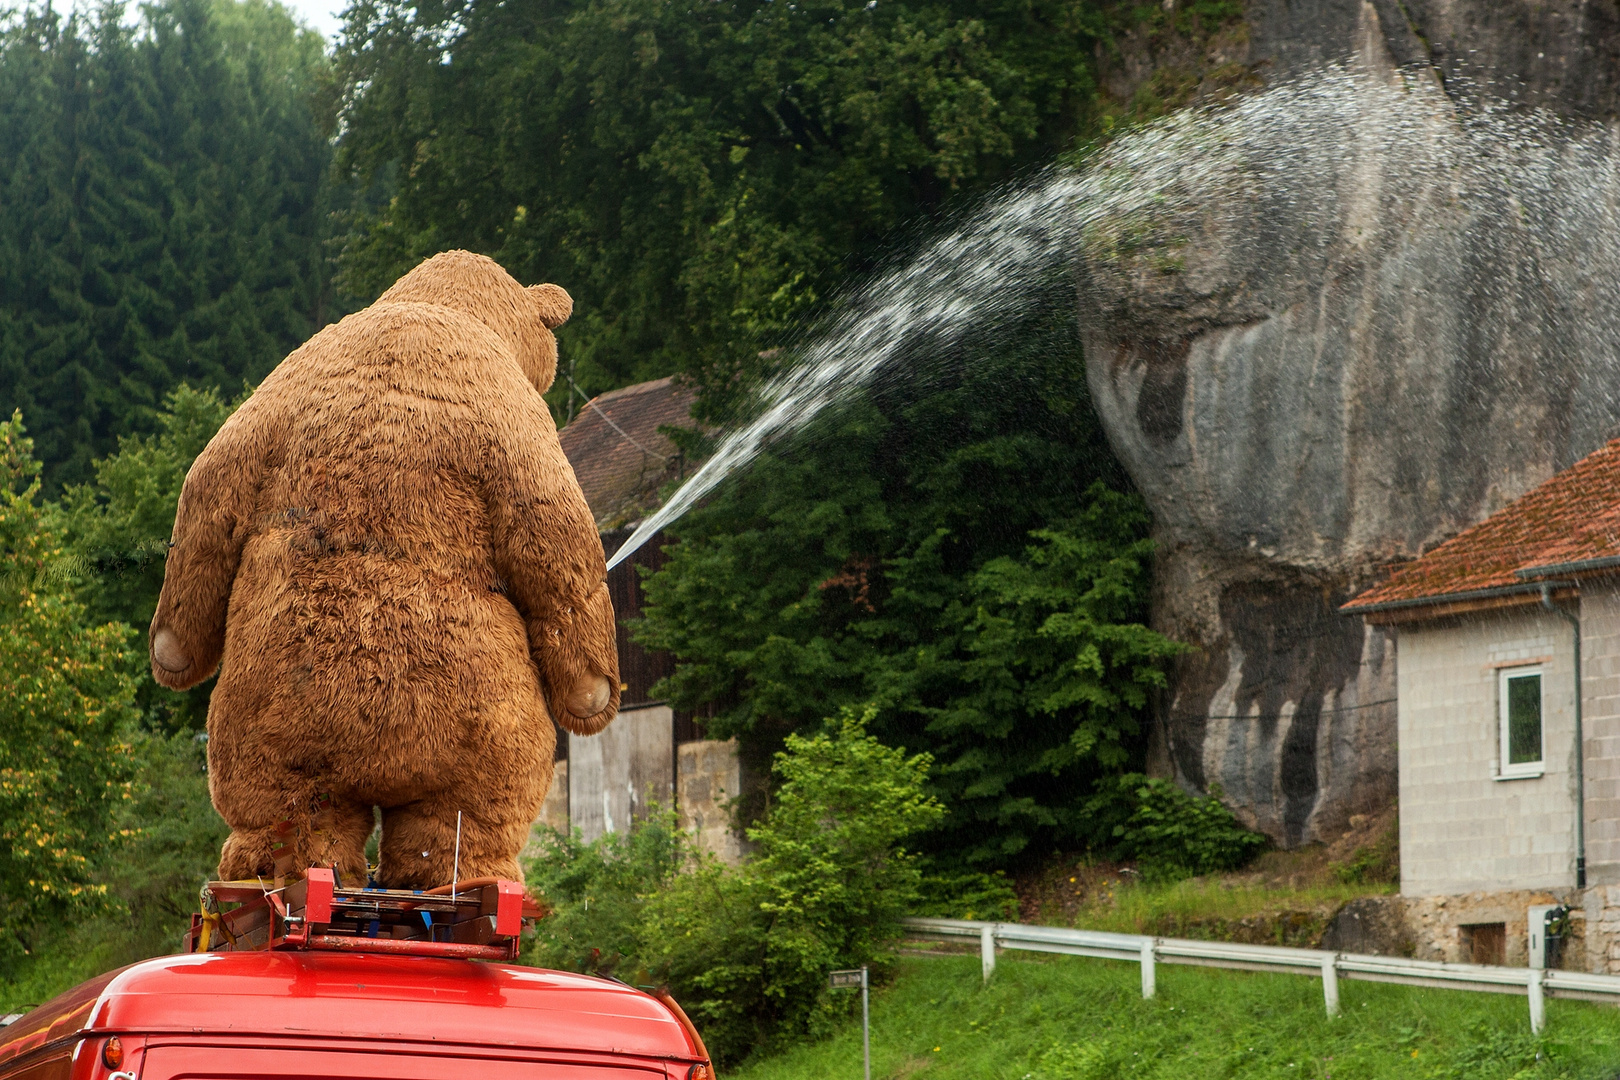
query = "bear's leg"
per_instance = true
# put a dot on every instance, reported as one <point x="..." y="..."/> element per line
<point x="338" y="839"/>
<point x="253" y="793"/>
<point x="419" y="845"/>
<point x="323" y="833"/>
<point x="271" y="807"/>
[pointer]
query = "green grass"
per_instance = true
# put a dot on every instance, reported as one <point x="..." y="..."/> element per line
<point x="1067" y="1018"/>
<point x="1180" y="908"/>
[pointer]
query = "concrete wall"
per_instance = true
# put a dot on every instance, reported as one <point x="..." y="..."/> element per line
<point x="708" y="775"/>
<point x="613" y="776"/>
<point x="609" y="780"/>
<point x="554" y="811"/>
<point x="1600" y="676"/>
<point x="1462" y="829"/>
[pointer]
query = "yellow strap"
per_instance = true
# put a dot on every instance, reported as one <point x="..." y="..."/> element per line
<point x="212" y="921"/>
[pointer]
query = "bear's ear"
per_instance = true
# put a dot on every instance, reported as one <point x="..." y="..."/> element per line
<point x="554" y="303"/>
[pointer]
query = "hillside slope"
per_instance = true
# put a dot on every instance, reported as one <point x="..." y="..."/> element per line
<point x="1064" y="1018"/>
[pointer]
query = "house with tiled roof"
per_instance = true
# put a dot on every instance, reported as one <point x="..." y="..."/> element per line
<point x="620" y="448"/>
<point x="1508" y="719"/>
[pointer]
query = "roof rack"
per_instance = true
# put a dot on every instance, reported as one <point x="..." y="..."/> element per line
<point x="480" y="919"/>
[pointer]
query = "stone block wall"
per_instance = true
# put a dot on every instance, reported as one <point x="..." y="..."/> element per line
<point x="1600" y="678"/>
<point x="1438" y="926"/>
<point x="708" y="776"/>
<point x="1463" y="830"/>
<point x="1601" y="916"/>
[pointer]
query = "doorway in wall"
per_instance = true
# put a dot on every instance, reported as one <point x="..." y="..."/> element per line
<point x="1484" y="943"/>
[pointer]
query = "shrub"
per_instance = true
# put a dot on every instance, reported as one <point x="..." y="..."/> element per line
<point x="66" y="689"/>
<point x="599" y="891"/>
<point x="1171" y="832"/>
<point x="168" y="841"/>
<point x="747" y="950"/>
<point x="989" y="897"/>
<point x="829" y="856"/>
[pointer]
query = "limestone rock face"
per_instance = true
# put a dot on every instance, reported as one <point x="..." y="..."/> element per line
<point x="1386" y="310"/>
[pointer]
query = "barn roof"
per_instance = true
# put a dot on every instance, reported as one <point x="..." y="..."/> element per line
<point x="620" y="457"/>
<point x="1567" y="527"/>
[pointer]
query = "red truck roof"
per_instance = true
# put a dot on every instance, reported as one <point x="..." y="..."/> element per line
<point x="405" y="1001"/>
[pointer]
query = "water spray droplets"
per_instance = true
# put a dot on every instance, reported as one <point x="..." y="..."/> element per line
<point x="1222" y="216"/>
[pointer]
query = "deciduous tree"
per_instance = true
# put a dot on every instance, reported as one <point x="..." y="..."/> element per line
<point x="66" y="692"/>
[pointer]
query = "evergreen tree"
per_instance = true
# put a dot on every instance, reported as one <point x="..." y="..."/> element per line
<point x="963" y="556"/>
<point x="162" y="212"/>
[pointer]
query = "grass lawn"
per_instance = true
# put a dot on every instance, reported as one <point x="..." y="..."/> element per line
<point x="1068" y="1018"/>
<point x="1283" y="898"/>
<point x="1216" y="908"/>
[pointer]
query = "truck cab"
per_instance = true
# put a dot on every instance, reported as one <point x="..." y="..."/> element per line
<point x="308" y="978"/>
<point x="241" y="1014"/>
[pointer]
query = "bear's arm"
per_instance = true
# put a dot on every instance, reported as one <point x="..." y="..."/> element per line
<point x="210" y="526"/>
<point x="549" y="556"/>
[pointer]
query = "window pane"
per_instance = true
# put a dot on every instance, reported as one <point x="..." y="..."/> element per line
<point x="1524" y="719"/>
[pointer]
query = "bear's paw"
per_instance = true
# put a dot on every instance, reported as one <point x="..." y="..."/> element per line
<point x="589" y="696"/>
<point x="168" y="653"/>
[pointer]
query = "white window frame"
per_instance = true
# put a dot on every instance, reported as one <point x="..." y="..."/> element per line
<point x="1526" y="769"/>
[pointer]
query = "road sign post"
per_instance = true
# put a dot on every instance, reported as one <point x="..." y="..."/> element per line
<point x="849" y="980"/>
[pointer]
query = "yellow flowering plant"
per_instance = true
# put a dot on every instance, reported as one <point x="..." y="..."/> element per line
<point x="66" y="694"/>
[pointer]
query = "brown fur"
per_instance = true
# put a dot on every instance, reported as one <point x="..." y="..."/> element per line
<point x="389" y="559"/>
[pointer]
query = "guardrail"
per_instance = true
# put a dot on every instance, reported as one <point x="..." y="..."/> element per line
<point x="1330" y="967"/>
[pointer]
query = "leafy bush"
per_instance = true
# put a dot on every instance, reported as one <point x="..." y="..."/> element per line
<point x="599" y="891"/>
<point x="968" y="895"/>
<point x="66" y="689"/>
<point x="168" y="841"/>
<point x="747" y="950"/>
<point x="1171" y="832"/>
<point x="829" y="855"/>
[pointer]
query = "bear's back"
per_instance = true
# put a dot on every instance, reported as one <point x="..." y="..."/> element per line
<point x="389" y="419"/>
<point x="371" y="507"/>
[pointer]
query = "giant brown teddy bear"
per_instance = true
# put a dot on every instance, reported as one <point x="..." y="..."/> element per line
<point x="389" y="559"/>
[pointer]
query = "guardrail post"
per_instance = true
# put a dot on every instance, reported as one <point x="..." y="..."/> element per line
<point x="1538" y="1005"/>
<point x="987" y="950"/>
<point x="1330" y="984"/>
<point x="1149" y="984"/>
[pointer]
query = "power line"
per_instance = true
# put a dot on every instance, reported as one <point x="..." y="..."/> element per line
<point x="591" y="403"/>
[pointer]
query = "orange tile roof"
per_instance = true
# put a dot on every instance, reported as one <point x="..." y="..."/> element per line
<point x="1570" y="520"/>
<point x="618" y="454"/>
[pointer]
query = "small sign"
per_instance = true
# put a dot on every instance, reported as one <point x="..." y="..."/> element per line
<point x="847" y="980"/>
